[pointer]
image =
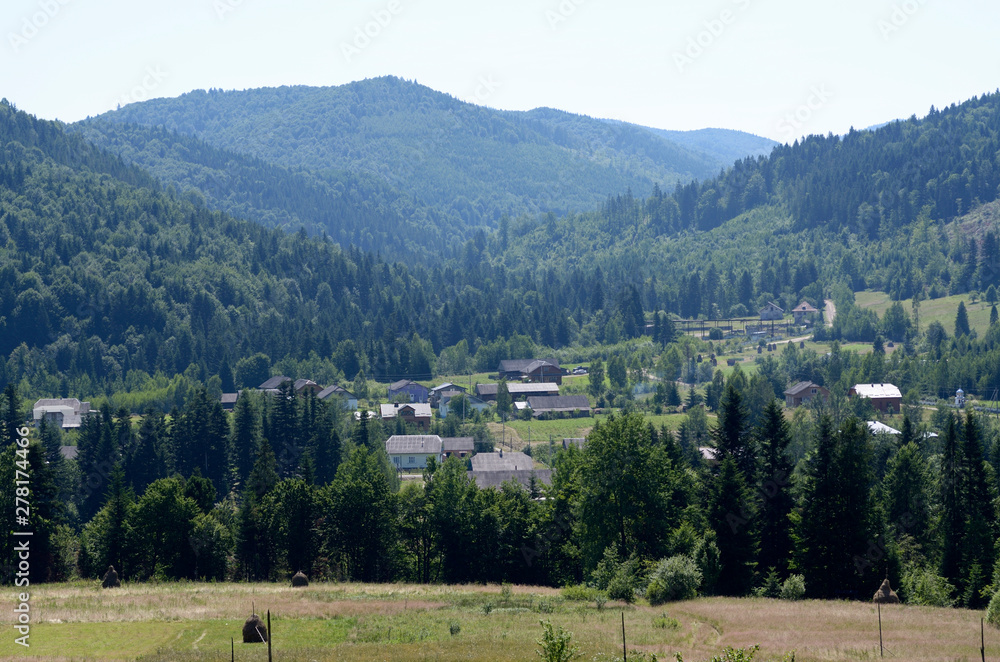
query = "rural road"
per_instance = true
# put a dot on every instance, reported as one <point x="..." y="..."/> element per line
<point x="829" y="311"/>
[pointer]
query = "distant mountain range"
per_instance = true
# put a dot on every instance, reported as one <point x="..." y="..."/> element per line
<point x="415" y="158"/>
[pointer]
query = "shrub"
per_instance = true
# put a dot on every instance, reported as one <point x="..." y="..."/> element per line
<point x="793" y="588"/>
<point x="922" y="586"/>
<point x="580" y="592"/>
<point x="993" y="610"/>
<point x="771" y="587"/>
<point x="454" y="627"/>
<point x="618" y="578"/>
<point x="706" y="555"/>
<point x="665" y="622"/>
<point x="676" y="578"/>
<point x="555" y="644"/>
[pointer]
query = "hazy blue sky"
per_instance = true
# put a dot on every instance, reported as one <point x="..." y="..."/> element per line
<point x="777" y="68"/>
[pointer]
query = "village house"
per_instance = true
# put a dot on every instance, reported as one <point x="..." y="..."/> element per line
<point x="228" y="400"/>
<point x="556" y="406"/>
<point x="886" y="398"/>
<point x="800" y="312"/>
<point x="412" y="413"/>
<point x="803" y="392"/>
<point x="350" y="400"/>
<point x="532" y="370"/>
<point x="434" y="396"/>
<point x="416" y="392"/>
<point x="495" y="469"/>
<point x="518" y="391"/>
<point x="67" y="413"/>
<point x="457" y="446"/>
<point x="303" y="386"/>
<point x="771" y="311"/>
<point x="472" y="402"/>
<point x="272" y="384"/>
<point x="411" y="451"/>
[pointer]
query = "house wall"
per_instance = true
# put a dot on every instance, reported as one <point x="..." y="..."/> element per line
<point x="411" y="460"/>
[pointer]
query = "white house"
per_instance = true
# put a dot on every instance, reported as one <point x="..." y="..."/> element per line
<point x="411" y="451"/>
<point x="65" y="412"/>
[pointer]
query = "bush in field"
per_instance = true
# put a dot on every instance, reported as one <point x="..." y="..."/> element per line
<point x="676" y="578"/>
<point x="555" y="644"/>
<point x="993" y="611"/>
<point x="619" y="578"/>
<point x="793" y="588"/>
<point x="923" y="586"/>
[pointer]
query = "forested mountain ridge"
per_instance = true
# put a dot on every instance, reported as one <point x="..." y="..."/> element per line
<point x="476" y="162"/>
<point x="107" y="282"/>
<point x="353" y="209"/>
<point x="880" y="209"/>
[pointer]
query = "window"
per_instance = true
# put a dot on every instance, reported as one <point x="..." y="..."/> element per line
<point x="813" y="391"/>
<point x="396" y="460"/>
<point x="410" y="460"/>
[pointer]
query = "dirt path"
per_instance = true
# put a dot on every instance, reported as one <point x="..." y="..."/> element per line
<point x="829" y="311"/>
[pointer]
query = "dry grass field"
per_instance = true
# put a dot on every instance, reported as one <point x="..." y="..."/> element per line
<point x="187" y="621"/>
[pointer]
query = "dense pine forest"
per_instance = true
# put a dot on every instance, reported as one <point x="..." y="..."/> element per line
<point x="150" y="296"/>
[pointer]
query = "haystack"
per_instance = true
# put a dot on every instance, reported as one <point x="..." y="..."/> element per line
<point x="254" y="630"/>
<point x="110" y="579"/>
<point x="885" y="595"/>
<point x="299" y="579"/>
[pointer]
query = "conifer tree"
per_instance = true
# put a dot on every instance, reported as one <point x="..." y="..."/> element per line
<point x="732" y="516"/>
<point x="773" y="437"/>
<point x="732" y="434"/>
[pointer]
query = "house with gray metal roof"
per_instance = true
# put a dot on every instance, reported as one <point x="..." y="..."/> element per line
<point x="411" y="451"/>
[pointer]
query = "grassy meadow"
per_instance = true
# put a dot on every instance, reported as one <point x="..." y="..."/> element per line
<point x="188" y="621"/>
<point x="941" y="310"/>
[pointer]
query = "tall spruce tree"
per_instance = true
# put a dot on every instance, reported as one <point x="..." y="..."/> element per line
<point x="732" y="434"/>
<point x="980" y="517"/>
<point x="836" y="545"/>
<point x="732" y="515"/>
<point x="952" y="490"/>
<point x="773" y="436"/>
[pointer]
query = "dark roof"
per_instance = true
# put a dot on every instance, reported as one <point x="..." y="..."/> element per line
<point x="804" y="307"/>
<point x="229" y="398"/>
<point x="522" y="365"/>
<point x="456" y="444"/>
<point x="558" y="403"/>
<point x="500" y="461"/>
<point x="68" y="452"/>
<point x="447" y="386"/>
<point x="771" y="304"/>
<point x="302" y="383"/>
<point x="403" y="383"/>
<point x="801" y="387"/>
<point x="274" y="382"/>
<point x="334" y="390"/>
<point x="496" y="479"/>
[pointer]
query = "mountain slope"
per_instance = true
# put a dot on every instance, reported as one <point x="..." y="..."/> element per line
<point x="109" y="283"/>
<point x="352" y="209"/>
<point x="476" y="162"/>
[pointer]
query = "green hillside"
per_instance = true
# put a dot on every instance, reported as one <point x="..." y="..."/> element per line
<point x="474" y="162"/>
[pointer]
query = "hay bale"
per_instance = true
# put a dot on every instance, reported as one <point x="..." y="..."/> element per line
<point x="110" y="579"/>
<point x="885" y="595"/>
<point x="254" y="630"/>
<point x="299" y="579"/>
